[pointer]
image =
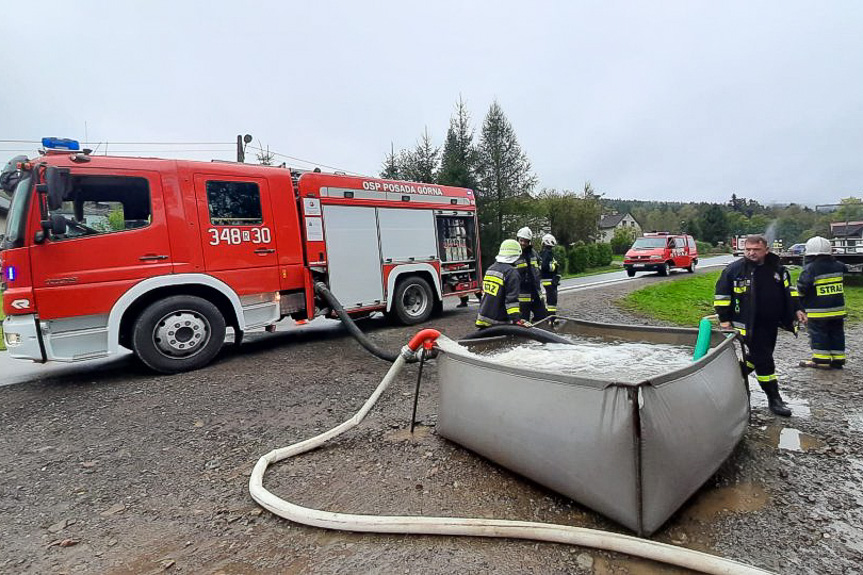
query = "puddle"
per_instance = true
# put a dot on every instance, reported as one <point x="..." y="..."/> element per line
<point x="741" y="498"/>
<point x="791" y="439"/>
<point x="420" y="433"/>
<point x="799" y="406"/>
<point x="855" y="421"/>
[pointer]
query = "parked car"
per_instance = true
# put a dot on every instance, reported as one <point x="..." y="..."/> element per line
<point x="797" y="249"/>
<point x="661" y="251"/>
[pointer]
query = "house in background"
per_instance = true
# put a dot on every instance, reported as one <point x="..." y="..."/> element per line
<point x="609" y="223"/>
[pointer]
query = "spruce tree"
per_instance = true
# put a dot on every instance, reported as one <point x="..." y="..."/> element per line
<point x="458" y="162"/>
<point x="423" y="162"/>
<point x="391" y="170"/>
<point x="505" y="180"/>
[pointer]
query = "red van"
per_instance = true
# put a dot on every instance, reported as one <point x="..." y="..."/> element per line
<point x="659" y="252"/>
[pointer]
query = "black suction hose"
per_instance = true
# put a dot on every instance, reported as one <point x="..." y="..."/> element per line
<point x="533" y="333"/>
<point x="321" y="290"/>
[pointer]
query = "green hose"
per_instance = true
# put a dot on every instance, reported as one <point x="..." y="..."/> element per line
<point x="702" y="344"/>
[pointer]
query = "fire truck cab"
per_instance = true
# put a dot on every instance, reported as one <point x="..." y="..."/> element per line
<point x="660" y="252"/>
<point x="161" y="256"/>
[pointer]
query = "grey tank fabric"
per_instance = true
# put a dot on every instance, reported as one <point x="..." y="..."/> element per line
<point x="634" y="451"/>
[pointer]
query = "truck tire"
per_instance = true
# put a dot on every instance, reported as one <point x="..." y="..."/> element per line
<point x="630" y="272"/>
<point x="663" y="271"/>
<point x="178" y="333"/>
<point x="691" y="268"/>
<point x="414" y="301"/>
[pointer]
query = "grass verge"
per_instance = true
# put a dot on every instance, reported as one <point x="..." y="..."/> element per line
<point x="686" y="301"/>
<point x="2" y="341"/>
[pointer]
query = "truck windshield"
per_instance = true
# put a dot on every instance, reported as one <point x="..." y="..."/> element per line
<point x="17" y="218"/>
<point x="649" y="243"/>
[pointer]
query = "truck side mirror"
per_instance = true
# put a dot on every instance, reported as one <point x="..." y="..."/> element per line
<point x="55" y="225"/>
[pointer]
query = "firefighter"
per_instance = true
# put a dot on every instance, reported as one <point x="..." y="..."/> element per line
<point x="500" y="287"/>
<point x="822" y="293"/>
<point x="530" y="297"/>
<point x="755" y="296"/>
<point x="548" y="273"/>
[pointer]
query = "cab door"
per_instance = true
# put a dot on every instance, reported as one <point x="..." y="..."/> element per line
<point x="237" y="231"/>
<point x="115" y="235"/>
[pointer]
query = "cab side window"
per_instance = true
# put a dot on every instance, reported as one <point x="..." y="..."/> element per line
<point x="679" y="243"/>
<point x="102" y="205"/>
<point x="234" y="203"/>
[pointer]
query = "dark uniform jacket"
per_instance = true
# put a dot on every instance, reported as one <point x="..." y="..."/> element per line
<point x="500" y="288"/>
<point x="735" y="295"/>
<point x="528" y="269"/>
<point x="822" y="289"/>
<point x="548" y="267"/>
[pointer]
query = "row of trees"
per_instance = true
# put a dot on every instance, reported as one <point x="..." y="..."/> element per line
<point x="715" y="223"/>
<point x="497" y="168"/>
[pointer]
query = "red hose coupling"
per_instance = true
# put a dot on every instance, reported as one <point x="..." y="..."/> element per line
<point x="425" y="337"/>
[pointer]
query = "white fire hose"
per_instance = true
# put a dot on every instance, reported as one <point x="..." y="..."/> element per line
<point x="457" y="526"/>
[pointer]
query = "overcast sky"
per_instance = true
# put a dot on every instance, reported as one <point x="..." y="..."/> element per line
<point x="686" y="100"/>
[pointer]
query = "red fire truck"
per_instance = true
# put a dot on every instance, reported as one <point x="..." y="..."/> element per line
<point x="160" y="256"/>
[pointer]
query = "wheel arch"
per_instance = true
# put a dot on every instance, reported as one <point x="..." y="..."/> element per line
<point x="130" y="304"/>
<point x="425" y="271"/>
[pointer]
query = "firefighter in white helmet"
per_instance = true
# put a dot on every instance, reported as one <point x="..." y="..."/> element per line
<point x="822" y="293"/>
<point x="500" y="288"/>
<point x="530" y="297"/>
<point x="549" y="273"/>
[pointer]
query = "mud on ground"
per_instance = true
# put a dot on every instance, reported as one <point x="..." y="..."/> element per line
<point x="117" y="471"/>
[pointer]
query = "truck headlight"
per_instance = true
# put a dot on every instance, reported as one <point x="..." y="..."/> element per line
<point x="656" y="257"/>
<point x="12" y="339"/>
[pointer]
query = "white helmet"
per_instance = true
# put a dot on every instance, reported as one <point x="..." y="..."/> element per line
<point x="818" y="246"/>
<point x="548" y="240"/>
<point x="524" y="234"/>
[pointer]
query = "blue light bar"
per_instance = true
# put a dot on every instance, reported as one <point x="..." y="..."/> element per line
<point x="10" y="273"/>
<point x="61" y="144"/>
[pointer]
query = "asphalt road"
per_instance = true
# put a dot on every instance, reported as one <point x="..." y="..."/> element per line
<point x="14" y="371"/>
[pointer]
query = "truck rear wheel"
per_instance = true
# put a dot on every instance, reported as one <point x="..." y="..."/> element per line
<point x="630" y="272"/>
<point x="414" y="301"/>
<point x="663" y="270"/>
<point x="178" y="333"/>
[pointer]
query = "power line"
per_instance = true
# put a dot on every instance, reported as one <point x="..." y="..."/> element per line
<point x="311" y="163"/>
<point x="39" y="142"/>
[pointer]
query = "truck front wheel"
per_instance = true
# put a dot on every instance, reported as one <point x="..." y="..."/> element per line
<point x="178" y="333"/>
<point x="413" y="301"/>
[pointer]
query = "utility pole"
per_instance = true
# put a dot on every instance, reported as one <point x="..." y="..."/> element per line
<point x="241" y="146"/>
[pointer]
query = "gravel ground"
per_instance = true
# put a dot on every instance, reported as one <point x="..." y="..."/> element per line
<point x="115" y="470"/>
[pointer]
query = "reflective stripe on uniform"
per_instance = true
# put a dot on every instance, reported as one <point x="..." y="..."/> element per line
<point x="837" y="354"/>
<point x="794" y="293"/>
<point x="512" y="310"/>
<point x="551" y="308"/>
<point x="750" y="365"/>
<point x="826" y="356"/>
<point x="525" y="299"/>
<point x="827" y="279"/>
<point x="521" y="264"/>
<point x="493" y="279"/>
<point x="822" y="314"/>
<point x="766" y="378"/>
<point x="721" y="302"/>
<point x="741" y="289"/>
<point x="546" y="283"/>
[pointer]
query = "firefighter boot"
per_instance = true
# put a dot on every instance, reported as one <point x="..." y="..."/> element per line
<point x="774" y="400"/>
